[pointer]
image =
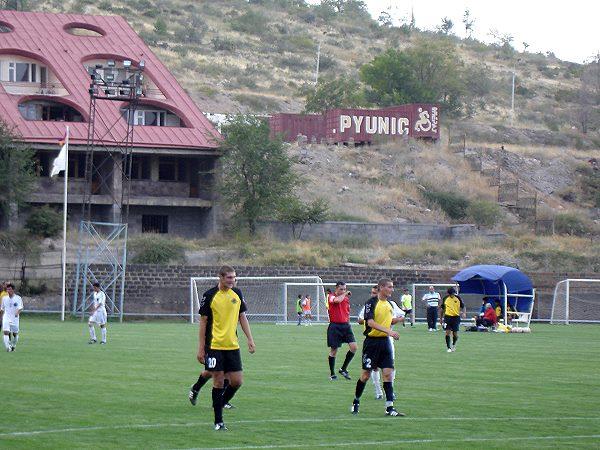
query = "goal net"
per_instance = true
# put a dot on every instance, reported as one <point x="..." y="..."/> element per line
<point x="576" y="300"/>
<point x="266" y="297"/>
<point x="359" y="294"/>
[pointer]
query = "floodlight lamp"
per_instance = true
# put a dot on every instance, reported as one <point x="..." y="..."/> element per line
<point x="142" y="64"/>
<point x="138" y="91"/>
<point x="110" y="63"/>
<point x="109" y="77"/>
<point x="125" y="82"/>
<point x="99" y="66"/>
<point x="127" y="63"/>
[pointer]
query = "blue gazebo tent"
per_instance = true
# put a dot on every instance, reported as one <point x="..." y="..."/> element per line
<point x="507" y="283"/>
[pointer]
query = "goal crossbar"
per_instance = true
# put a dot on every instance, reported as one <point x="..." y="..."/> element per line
<point x="194" y="294"/>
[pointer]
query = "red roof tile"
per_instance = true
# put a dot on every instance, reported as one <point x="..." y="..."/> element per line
<point x="42" y="36"/>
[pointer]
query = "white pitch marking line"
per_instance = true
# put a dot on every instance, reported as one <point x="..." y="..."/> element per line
<point x="306" y="420"/>
<point x="405" y="441"/>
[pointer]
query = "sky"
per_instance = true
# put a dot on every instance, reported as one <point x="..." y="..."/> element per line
<point x="570" y="29"/>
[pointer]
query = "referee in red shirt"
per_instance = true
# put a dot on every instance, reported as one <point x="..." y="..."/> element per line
<point x="339" y="330"/>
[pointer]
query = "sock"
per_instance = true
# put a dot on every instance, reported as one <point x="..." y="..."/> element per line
<point x="229" y="392"/>
<point x="454" y="339"/>
<point x="375" y="378"/>
<point x="92" y="333"/>
<point x="6" y="341"/>
<point x="15" y="339"/>
<point x="332" y="365"/>
<point x="349" y="357"/>
<point x="201" y="382"/>
<point x="389" y="392"/>
<point x="447" y="341"/>
<point x="217" y="398"/>
<point x="103" y="334"/>
<point x="360" y="387"/>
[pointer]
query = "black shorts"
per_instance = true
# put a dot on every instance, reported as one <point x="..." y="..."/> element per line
<point x="339" y="333"/>
<point x="377" y="354"/>
<point x="223" y="361"/>
<point x="452" y="322"/>
<point x="407" y="311"/>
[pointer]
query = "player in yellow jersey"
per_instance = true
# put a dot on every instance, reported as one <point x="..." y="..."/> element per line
<point x="451" y="310"/>
<point x="221" y="308"/>
<point x="377" y="350"/>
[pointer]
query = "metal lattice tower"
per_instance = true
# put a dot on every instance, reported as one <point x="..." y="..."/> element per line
<point x="102" y="253"/>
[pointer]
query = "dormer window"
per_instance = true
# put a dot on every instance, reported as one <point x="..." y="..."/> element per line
<point x="21" y="72"/>
<point x="154" y="118"/>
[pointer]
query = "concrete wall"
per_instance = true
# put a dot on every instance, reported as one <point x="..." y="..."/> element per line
<point x="185" y="222"/>
<point x="384" y="233"/>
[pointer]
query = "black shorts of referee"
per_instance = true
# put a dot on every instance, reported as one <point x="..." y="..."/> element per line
<point x="338" y="334"/>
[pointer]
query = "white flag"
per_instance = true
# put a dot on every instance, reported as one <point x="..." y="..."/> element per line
<point x="60" y="163"/>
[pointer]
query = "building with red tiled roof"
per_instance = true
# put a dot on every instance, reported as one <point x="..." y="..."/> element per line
<point x="44" y="86"/>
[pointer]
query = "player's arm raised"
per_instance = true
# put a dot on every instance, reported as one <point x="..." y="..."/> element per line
<point x="246" y="329"/>
<point x="202" y="339"/>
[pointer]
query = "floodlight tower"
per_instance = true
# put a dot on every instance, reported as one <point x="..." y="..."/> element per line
<point x="102" y="252"/>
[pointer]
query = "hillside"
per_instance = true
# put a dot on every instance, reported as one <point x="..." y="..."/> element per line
<point x="239" y="56"/>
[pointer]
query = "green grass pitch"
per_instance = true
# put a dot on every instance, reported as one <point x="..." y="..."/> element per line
<point x="539" y="390"/>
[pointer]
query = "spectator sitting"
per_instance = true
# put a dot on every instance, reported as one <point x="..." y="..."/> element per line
<point x="484" y="301"/>
<point x="489" y="318"/>
<point x="498" y="309"/>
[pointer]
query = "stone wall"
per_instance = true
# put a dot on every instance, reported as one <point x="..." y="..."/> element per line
<point x="165" y="289"/>
<point x="383" y="233"/>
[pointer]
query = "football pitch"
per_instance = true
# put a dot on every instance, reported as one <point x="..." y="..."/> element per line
<point x="538" y="390"/>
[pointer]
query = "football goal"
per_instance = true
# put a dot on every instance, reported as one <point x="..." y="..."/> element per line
<point x="268" y="298"/>
<point x="359" y="293"/>
<point x="576" y="300"/>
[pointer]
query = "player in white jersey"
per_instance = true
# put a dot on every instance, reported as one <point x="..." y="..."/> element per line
<point x="398" y="314"/>
<point x="11" y="306"/>
<point x="98" y="315"/>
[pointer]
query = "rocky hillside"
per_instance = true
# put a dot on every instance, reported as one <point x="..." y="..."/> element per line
<point x="256" y="56"/>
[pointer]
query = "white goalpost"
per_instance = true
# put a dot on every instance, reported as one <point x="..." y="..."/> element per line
<point x="576" y="300"/>
<point x="267" y="297"/>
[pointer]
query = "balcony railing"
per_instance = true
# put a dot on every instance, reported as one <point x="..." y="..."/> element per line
<point x="23" y="87"/>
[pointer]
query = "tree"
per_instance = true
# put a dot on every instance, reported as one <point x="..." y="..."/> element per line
<point x="385" y="19"/>
<point x="504" y="41"/>
<point x="300" y="214"/>
<point x="257" y="173"/>
<point x="333" y="93"/>
<point x="427" y="72"/>
<point x="16" y="171"/>
<point x="446" y="26"/>
<point x="468" y="22"/>
<point x="160" y="26"/>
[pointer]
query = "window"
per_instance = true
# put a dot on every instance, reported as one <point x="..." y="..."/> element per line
<point x="140" y="168"/>
<point x="167" y="169"/>
<point x="43" y="77"/>
<point x="49" y="111"/>
<point x="155" y="224"/>
<point x="21" y="72"/>
<point x="153" y="118"/>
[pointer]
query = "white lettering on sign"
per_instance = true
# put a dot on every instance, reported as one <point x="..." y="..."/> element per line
<point x="384" y="125"/>
<point x="357" y="123"/>
<point x="345" y="122"/>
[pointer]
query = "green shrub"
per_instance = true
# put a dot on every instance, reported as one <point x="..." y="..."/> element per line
<point x="250" y="22"/>
<point x="484" y="213"/>
<point x="453" y="204"/>
<point x="571" y="224"/>
<point x="44" y="222"/>
<point x="156" y="249"/>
